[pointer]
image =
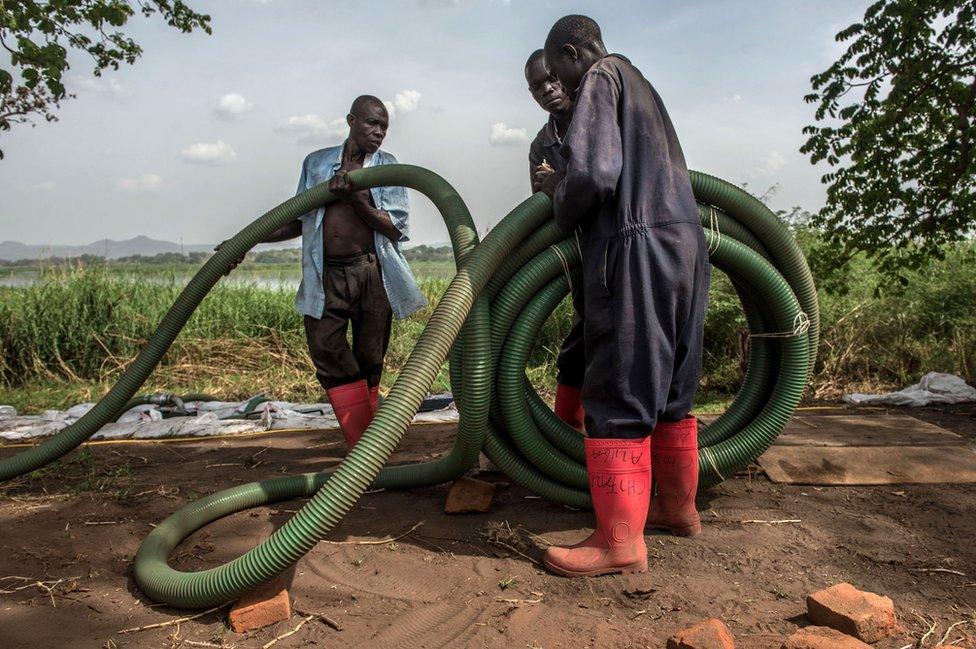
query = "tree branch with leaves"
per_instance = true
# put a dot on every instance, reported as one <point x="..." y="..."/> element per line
<point x="897" y="124"/>
<point x="38" y="36"/>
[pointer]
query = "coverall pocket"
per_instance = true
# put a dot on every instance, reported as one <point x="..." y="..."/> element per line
<point x="607" y="265"/>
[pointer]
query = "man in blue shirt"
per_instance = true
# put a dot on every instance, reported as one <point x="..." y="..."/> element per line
<point x="353" y="270"/>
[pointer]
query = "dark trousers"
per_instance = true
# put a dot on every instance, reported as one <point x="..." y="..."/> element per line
<point x="354" y="294"/>
<point x="646" y="291"/>
<point x="571" y="361"/>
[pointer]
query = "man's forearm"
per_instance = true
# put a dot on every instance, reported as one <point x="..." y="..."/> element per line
<point x="377" y="219"/>
<point x="285" y="232"/>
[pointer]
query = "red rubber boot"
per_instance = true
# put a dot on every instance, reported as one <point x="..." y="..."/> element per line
<point x="569" y="408"/>
<point x="620" y="485"/>
<point x="374" y="398"/>
<point x="352" y="408"/>
<point x="674" y="456"/>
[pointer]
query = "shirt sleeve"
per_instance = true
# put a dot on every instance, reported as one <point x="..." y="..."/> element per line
<point x="535" y="157"/>
<point x="592" y="149"/>
<point x="397" y="204"/>
<point x="302" y="180"/>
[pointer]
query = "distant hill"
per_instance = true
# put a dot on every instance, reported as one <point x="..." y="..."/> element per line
<point x="108" y="248"/>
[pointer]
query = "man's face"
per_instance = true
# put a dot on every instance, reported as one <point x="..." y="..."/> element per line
<point x="368" y="129"/>
<point x="545" y="89"/>
<point x="564" y="64"/>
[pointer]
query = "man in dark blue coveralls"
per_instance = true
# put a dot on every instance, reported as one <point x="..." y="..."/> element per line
<point x="646" y="273"/>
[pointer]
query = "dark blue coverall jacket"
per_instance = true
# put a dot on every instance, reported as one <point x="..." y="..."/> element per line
<point x="645" y="263"/>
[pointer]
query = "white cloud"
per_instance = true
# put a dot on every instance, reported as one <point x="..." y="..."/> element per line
<point x="46" y="186"/>
<point x="312" y="129"/>
<point x="143" y="183"/>
<point x="209" y="153"/>
<point x="231" y="106"/>
<point x="109" y="88"/>
<point x="407" y="100"/>
<point x="769" y="165"/>
<point x="503" y="134"/>
<point x="736" y="99"/>
<point x="773" y="162"/>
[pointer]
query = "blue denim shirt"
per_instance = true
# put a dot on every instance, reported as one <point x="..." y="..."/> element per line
<point x="401" y="287"/>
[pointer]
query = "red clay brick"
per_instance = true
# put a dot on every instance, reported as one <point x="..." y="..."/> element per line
<point x="468" y="495"/>
<point x="710" y="634"/>
<point x="261" y="607"/>
<point x="863" y="615"/>
<point x="822" y="637"/>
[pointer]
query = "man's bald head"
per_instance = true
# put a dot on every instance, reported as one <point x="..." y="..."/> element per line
<point x="368" y="120"/>
<point x="573" y="45"/>
<point x="365" y="102"/>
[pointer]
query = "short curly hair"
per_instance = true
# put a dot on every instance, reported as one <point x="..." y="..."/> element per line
<point x="538" y="54"/>
<point x="574" y="30"/>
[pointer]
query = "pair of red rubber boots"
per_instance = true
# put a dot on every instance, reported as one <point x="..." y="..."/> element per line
<point x="620" y="472"/>
<point x="354" y="405"/>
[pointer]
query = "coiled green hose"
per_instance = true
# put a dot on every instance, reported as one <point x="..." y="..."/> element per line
<point x="503" y="292"/>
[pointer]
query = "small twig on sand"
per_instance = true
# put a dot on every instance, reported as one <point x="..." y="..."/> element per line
<point x="324" y="619"/>
<point x="516" y="551"/>
<point x="945" y="570"/>
<point x="159" y="625"/>
<point x="502" y="535"/>
<point x="538" y="538"/>
<point x="100" y="522"/>
<point x="931" y="630"/>
<point x="36" y="583"/>
<point x="381" y="542"/>
<point x="779" y="522"/>
<point x="50" y="590"/>
<point x="953" y="626"/>
<point x="285" y="635"/>
<point x="516" y="602"/>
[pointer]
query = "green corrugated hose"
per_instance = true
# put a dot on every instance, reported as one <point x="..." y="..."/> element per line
<point x="487" y="321"/>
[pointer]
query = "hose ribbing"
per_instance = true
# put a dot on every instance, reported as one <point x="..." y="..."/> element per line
<point x="487" y="321"/>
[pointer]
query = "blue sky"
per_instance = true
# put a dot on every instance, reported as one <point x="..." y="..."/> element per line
<point x="205" y="133"/>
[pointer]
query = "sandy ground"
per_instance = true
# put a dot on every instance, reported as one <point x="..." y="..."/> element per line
<point x="473" y="580"/>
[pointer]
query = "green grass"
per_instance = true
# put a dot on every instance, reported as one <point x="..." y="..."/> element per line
<point x="65" y="338"/>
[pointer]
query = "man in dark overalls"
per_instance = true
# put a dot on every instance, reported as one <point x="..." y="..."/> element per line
<point x="544" y="152"/>
<point x="646" y="272"/>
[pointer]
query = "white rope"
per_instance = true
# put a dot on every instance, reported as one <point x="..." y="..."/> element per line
<point x="565" y="263"/>
<point x="801" y="324"/>
<point x="716" y="241"/>
<point x="707" y="454"/>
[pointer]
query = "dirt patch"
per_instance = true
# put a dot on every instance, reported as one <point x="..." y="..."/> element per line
<point x="472" y="580"/>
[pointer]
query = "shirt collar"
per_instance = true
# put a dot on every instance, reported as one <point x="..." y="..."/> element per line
<point x="551" y="133"/>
